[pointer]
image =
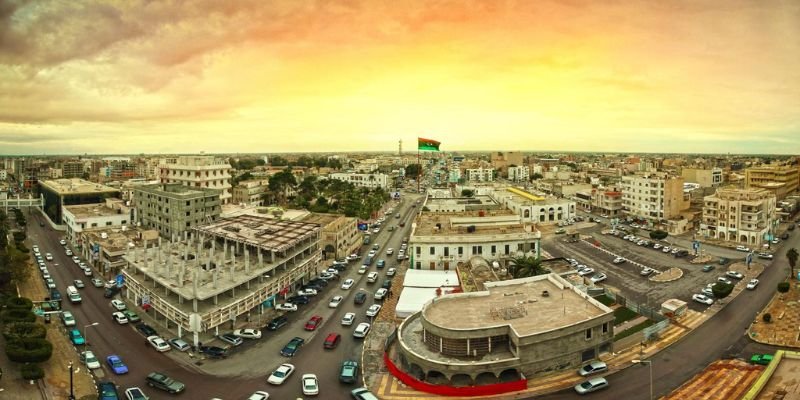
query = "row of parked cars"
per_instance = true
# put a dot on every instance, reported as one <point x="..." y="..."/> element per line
<point x="706" y="295"/>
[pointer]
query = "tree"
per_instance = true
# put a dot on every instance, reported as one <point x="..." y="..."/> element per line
<point x="721" y="290"/>
<point x="536" y="176"/>
<point x="31" y="372"/>
<point x="467" y="192"/>
<point x="524" y="266"/>
<point x="658" y="235"/>
<point x="413" y="170"/>
<point x="276" y="161"/>
<point x="784" y="287"/>
<point x="791" y="255"/>
<point x="29" y="350"/>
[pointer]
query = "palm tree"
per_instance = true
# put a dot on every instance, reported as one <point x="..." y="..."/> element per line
<point x="524" y="266"/>
<point x="792" y="254"/>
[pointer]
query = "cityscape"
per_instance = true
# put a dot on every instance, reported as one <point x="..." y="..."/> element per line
<point x="399" y="201"/>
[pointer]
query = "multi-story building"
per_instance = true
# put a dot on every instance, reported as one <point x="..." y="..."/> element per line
<point x="743" y="216"/>
<point x="607" y="201"/>
<point x="480" y="174"/>
<point x="66" y="192"/>
<point x="439" y="241"/>
<point x="173" y="209"/>
<point x="704" y="177"/>
<point x="340" y="236"/>
<point x="3" y="175"/>
<point x="501" y="160"/>
<point x="205" y="172"/>
<point x="535" y="209"/>
<point x="104" y="248"/>
<point x="371" y="181"/>
<point x="653" y="197"/>
<point x="519" y="327"/>
<point x="519" y="173"/>
<point x="113" y="212"/>
<point x="250" y="192"/>
<point x="781" y="180"/>
<point x="117" y="169"/>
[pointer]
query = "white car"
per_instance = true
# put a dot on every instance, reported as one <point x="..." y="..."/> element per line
<point x="361" y="330"/>
<point x="335" y="301"/>
<point x="69" y="252"/>
<point x="376" y="230"/>
<point x="310" y="385"/>
<point x="724" y="280"/>
<point x="88" y="358"/>
<point x="348" y="319"/>
<point x="76" y="260"/>
<point x="352" y="257"/>
<point x="708" y="291"/>
<point x="362" y="270"/>
<point x="118" y="305"/>
<point x="307" y="292"/>
<point x="158" y="343"/>
<point x="332" y="271"/>
<point x="35" y="248"/>
<point x="585" y="271"/>
<point x="347" y="284"/>
<point x="735" y="274"/>
<point x="48" y="257"/>
<point x="618" y="260"/>
<point x="280" y="375"/>
<point x="598" y="278"/>
<point x="701" y="298"/>
<point x="120" y="317"/>
<point x="286" y="307"/>
<point x="391" y="271"/>
<point x="372" y="253"/>
<point x="62" y="242"/>
<point x="646" y="271"/>
<point x="247" y="333"/>
<point x="389" y="251"/>
<point x="373" y="310"/>
<point x="752" y="284"/>
<point x="51" y="284"/>
<point x="259" y="395"/>
<point x="68" y="318"/>
<point x="742" y="248"/>
<point x="666" y="249"/>
<point x="657" y="246"/>
<point x="87" y="271"/>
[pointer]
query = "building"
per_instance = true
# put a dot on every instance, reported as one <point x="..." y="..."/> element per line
<point x="745" y="216"/>
<point x="112" y="213"/>
<point x="67" y="192"/>
<point x="781" y="180"/>
<point x="704" y="177"/>
<point x="440" y="201"/>
<point x="501" y="160"/>
<point x="520" y="173"/>
<point x="205" y="172"/>
<point x="105" y="247"/>
<point x="3" y="175"/>
<point x="653" y="197"/>
<point x="175" y="209"/>
<point x="250" y="192"/>
<point x="535" y="209"/>
<point x="371" y="181"/>
<point x="340" y="236"/>
<point x="480" y="174"/>
<point x="520" y="327"/>
<point x="228" y="271"/>
<point x="607" y="202"/>
<point x="440" y="241"/>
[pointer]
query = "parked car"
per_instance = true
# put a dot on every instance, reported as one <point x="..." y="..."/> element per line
<point x="593" y="368"/>
<point x="280" y="374"/>
<point x="97" y="282"/>
<point x="761" y="359"/>
<point x="646" y="271"/>
<point x="765" y="255"/>
<point x="331" y="341"/>
<point x="88" y="359"/>
<point x="752" y="284"/>
<point x="158" y="343"/>
<point x="68" y="318"/>
<point x="391" y="271"/>
<point x="118" y="305"/>
<point x="135" y="393"/>
<point x="363" y="393"/>
<point x="724" y="280"/>
<point x="164" y="382"/>
<point x="313" y="323"/>
<point x="307" y="292"/>
<point x="146" y="330"/>
<point x="310" y="384"/>
<point x="742" y="248"/>
<point x="247" y="333"/>
<point x="380" y="294"/>
<point x="298" y="300"/>
<point x="179" y="344"/>
<point x="76" y="338"/>
<point x="335" y="301"/>
<point x="585" y="271"/>
<point x="116" y="364"/>
<point x="591" y="385"/>
<point x="120" y="318"/>
<point x="348" y="319"/>
<point x="131" y="316"/>
<point x="701" y="298"/>
<point x="361" y="330"/>
<point x="107" y="391"/>
<point x="735" y="274"/>
<point x="373" y="310"/>
<point x="708" y="268"/>
<point x="598" y="278"/>
<point x="277" y="323"/>
<point x="213" y="351"/>
<point x="231" y="339"/>
<point x="286" y="307"/>
<point x="292" y="347"/>
<point x="619" y="260"/>
<point x="349" y="372"/>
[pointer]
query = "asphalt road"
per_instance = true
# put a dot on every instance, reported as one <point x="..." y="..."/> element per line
<point x="110" y="338"/>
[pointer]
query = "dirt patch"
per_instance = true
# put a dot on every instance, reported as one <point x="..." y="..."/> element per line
<point x="668" y="275"/>
<point x="785" y="312"/>
<point x="702" y="260"/>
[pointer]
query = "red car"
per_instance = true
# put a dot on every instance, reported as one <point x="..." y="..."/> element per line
<point x="313" y="323"/>
<point x="332" y="341"/>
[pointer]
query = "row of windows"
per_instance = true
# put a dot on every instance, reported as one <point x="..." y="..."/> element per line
<point x="588" y="333"/>
<point x="475" y="249"/>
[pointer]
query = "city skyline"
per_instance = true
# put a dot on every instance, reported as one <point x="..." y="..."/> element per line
<point x="636" y="77"/>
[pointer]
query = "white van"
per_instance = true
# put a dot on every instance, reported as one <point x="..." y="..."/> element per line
<point x="73" y="294"/>
<point x="372" y="277"/>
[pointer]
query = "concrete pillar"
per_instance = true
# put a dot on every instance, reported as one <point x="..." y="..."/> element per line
<point x="181" y="272"/>
<point x="144" y="251"/>
<point x="194" y="291"/>
<point x="246" y="262"/>
<point x="214" y="279"/>
<point x="233" y="262"/>
<point x="260" y="259"/>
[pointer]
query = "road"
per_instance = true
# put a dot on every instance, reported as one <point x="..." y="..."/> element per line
<point x="260" y="358"/>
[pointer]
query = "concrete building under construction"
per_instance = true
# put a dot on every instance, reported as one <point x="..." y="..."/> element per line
<point x="222" y="271"/>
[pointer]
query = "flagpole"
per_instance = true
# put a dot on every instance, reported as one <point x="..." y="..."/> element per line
<point x="419" y="167"/>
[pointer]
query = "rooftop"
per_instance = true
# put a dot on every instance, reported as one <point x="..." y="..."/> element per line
<point x="75" y="186"/>
<point x="500" y="221"/>
<point x="520" y="303"/>
<point x="119" y="239"/>
<point x="96" y="210"/>
<point x="262" y="232"/>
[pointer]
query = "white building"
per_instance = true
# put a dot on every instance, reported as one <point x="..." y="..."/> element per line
<point x="480" y="174"/>
<point x="198" y="171"/>
<point x="371" y="181"/>
<point x="653" y="197"/>
<point x="743" y="216"/>
<point x="535" y="209"/>
<point x="519" y="173"/>
<point x="112" y="213"/>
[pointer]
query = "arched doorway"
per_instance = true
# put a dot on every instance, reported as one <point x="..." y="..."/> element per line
<point x="743" y="239"/>
<point x="461" y="380"/>
<point x="416" y="371"/>
<point x="485" y="378"/>
<point x="436" y="377"/>
<point x="509" y="375"/>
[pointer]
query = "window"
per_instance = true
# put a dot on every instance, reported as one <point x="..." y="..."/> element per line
<point x="494" y="249"/>
<point x="446" y="251"/>
<point x="507" y="249"/>
<point x="419" y="265"/>
<point x="589" y="334"/>
<point x="418" y="250"/>
<point x="605" y="327"/>
<point x="108" y="223"/>
<point x="460" y="251"/>
<point x="432" y="250"/>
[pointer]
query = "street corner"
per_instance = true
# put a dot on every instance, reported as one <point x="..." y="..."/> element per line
<point x="777" y="323"/>
<point x="721" y="380"/>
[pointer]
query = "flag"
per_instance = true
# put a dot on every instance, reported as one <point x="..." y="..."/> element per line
<point x="427" y="144"/>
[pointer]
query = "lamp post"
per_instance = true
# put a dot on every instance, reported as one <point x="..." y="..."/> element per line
<point x="86" y="331"/>
<point x="650" y="365"/>
<point x="71" y="393"/>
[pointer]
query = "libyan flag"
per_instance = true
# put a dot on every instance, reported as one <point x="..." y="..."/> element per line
<point x="427" y="144"/>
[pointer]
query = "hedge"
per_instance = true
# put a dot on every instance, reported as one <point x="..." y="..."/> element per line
<point x="658" y="235"/>
<point x="17" y="315"/>
<point x="623" y="314"/>
<point x="29" y="350"/>
<point x="19" y="303"/>
<point x="784" y="287"/>
<point x="633" y="329"/>
<point x="19" y="330"/>
<point x="32" y="372"/>
<point x="721" y="290"/>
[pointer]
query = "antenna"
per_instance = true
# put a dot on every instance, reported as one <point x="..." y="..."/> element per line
<point x="400" y="147"/>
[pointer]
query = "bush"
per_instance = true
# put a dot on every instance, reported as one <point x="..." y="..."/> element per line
<point x="767" y="317"/>
<point x="658" y="235"/>
<point x="623" y="314"/>
<point x="32" y="372"/>
<point x="17" y="315"/>
<point x="19" y="303"/>
<point x="29" y="350"/>
<point x="20" y="330"/>
<point x="19" y="236"/>
<point x="783" y="287"/>
<point x="721" y="290"/>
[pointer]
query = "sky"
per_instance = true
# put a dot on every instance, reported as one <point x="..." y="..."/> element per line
<point x="255" y="76"/>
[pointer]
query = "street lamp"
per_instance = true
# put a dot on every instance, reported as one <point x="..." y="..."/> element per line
<point x="86" y="330"/>
<point x="649" y="364"/>
<point x="71" y="393"/>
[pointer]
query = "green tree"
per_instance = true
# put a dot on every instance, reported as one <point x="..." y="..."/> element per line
<point x="31" y="372"/>
<point x="791" y="255"/>
<point x="467" y="192"/>
<point x="536" y="176"/>
<point x="29" y="350"/>
<point x="524" y="266"/>
<point x="413" y="170"/>
<point x="658" y="235"/>
<point x="278" y="161"/>
<point x="784" y="287"/>
<point x="721" y="290"/>
<point x="278" y="186"/>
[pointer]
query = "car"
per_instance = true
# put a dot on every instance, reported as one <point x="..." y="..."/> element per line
<point x="362" y="270"/>
<point x="380" y="294"/>
<point x="360" y="298"/>
<point x="35" y="248"/>
<point x="701" y="298"/>
<point x="258" y="395"/>
<point x="68" y="318"/>
<point x="361" y="330"/>
<point x="708" y="268"/>
<point x="75" y="337"/>
<point x="46" y="274"/>
<point x="213" y="351"/>
<point x="313" y="323"/>
<point x="280" y="374"/>
<point x="776" y="241"/>
<point x="307" y="292"/>
<point x="682" y="253"/>
<point x="76" y="260"/>
<point x="372" y="277"/>
<point x="380" y="264"/>
<point x="286" y="307"/>
<point x="78" y="284"/>
<point x="708" y="291"/>
<point x="585" y="271"/>
<point x="724" y="280"/>
<point x="298" y="300"/>
<point x="391" y="271"/>
<point x="107" y="391"/>
<point x="641" y="242"/>
<point x="765" y="256"/>
<point x="277" y="322"/>
<point x="593" y="368"/>
<point x="146" y="330"/>
<point x="158" y="343"/>
<point x="675" y="251"/>
<point x="591" y="385"/>
<point x="48" y="257"/>
<point x="87" y="271"/>
<point x="560" y="231"/>
<point x="363" y="393"/>
<point x="735" y="274"/>
<point x="118" y="305"/>
<point x="598" y="278"/>
<point x="332" y="271"/>
<point x="119" y="317"/>
<point x="179" y="344"/>
<point x="353" y="257"/>
<point x="116" y="364"/>
<point x="348" y="319"/>
<point x="619" y="260"/>
<point x="657" y="246"/>
<point x="292" y="347"/>
<point x="752" y="284"/>
<point x="376" y="230"/>
<point x="88" y="358"/>
<point x="373" y="310"/>
<point x="335" y="300"/>
<point x="135" y="393"/>
<point x="69" y="252"/>
<point x="348" y="283"/>
<point x="310" y="384"/>
<point x="349" y="372"/>
<point x="97" y="282"/>
<point x="646" y="271"/>
<point x="371" y="253"/>
<point x="161" y="381"/>
<point x="743" y="248"/>
<point x="666" y="249"/>
<point x="248" y="333"/>
<point x="231" y="339"/>
<point x="131" y="316"/>
<point x="51" y="284"/>
<point x="761" y="359"/>
<point x="331" y="341"/>
<point x="325" y="275"/>
<point x="389" y="251"/>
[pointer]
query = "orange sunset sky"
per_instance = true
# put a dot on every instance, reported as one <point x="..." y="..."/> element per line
<point x="134" y="76"/>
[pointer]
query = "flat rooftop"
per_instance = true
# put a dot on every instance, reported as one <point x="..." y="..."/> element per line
<point x="499" y="221"/>
<point x="76" y="186"/>
<point x="262" y="232"/>
<point x="94" y="210"/>
<point x="117" y="240"/>
<point x="519" y="303"/>
<point x="476" y="201"/>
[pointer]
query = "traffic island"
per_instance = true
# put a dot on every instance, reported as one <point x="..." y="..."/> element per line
<point x="777" y="323"/>
<point x="672" y="274"/>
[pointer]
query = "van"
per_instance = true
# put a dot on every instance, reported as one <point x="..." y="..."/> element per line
<point x="73" y="294"/>
<point x="372" y="277"/>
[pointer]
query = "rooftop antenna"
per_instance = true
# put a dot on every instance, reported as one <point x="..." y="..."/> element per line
<point x="400" y="147"/>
